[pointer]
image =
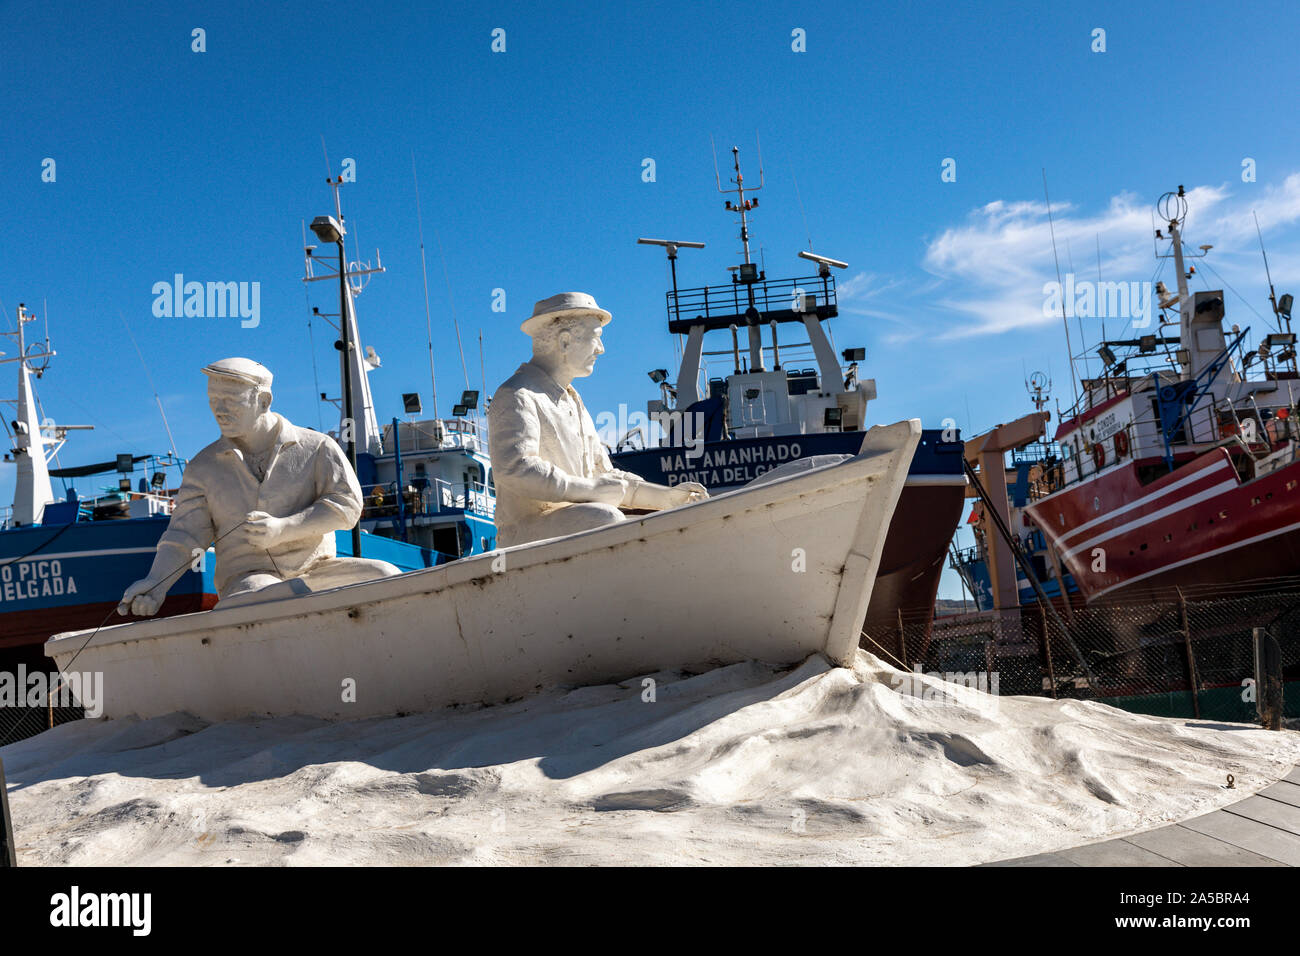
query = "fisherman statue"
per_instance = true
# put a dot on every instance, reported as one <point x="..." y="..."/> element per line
<point x="553" y="474"/>
<point x="269" y="494"/>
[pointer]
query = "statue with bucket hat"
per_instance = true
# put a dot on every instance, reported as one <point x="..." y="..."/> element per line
<point x="270" y="496"/>
<point x="553" y="475"/>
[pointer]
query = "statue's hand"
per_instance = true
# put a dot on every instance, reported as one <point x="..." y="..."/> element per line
<point x="264" y="530"/>
<point x="607" y="490"/>
<point x="686" y="492"/>
<point x="140" y="599"/>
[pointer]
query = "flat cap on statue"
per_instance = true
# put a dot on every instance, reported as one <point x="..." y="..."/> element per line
<point x="241" y="370"/>
<point x="560" y="306"/>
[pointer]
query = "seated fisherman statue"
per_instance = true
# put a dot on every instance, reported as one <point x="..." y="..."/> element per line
<point x="269" y="494"/>
<point x="553" y="475"/>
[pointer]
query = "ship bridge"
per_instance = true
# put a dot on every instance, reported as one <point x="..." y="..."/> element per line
<point x="751" y="302"/>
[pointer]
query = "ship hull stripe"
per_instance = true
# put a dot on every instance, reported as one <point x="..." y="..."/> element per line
<point x="1181" y="505"/>
<point x="97" y="552"/>
<point x="1147" y="500"/>
<point x="1196" y="557"/>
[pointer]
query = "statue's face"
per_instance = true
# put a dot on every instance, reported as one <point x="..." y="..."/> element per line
<point x="236" y="406"/>
<point x="583" y="346"/>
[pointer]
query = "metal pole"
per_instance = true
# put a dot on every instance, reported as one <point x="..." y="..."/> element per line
<point x="347" y="386"/>
<point x="902" y="639"/>
<point x="7" y="854"/>
<point x="677" y="304"/>
<point x="1268" y="679"/>
<point x="1047" y="649"/>
<point x="401" y="485"/>
<point x="1192" y="681"/>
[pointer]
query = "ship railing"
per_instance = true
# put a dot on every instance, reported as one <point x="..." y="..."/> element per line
<point x="1268" y="438"/>
<point x="1049" y="481"/>
<point x="428" y="498"/>
<point x="6" y="516"/>
<point x="1081" y="459"/>
<point x="1039" y="452"/>
<point x="1201" y="431"/>
<point x="1265" y="427"/>
<point x="437" y="435"/>
<point x="770" y="295"/>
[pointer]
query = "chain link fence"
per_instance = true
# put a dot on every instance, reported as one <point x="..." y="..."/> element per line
<point x="26" y="679"/>
<point x="21" y="721"/>
<point x="1181" y="653"/>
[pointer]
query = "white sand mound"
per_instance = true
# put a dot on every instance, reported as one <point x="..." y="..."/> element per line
<point x="744" y="764"/>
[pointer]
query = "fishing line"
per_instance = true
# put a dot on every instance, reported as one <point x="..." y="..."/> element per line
<point x="39" y="547"/>
<point x="900" y="663"/>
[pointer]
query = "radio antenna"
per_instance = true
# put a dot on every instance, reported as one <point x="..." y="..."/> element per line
<point x="424" y="271"/>
<point x="1061" y="286"/>
<point x="171" y="441"/>
<point x="1272" y="296"/>
<point x="329" y="173"/>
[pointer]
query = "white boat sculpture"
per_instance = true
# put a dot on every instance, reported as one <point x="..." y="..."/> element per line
<point x="774" y="571"/>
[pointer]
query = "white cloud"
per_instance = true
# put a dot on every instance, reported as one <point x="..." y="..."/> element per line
<point x="994" y="265"/>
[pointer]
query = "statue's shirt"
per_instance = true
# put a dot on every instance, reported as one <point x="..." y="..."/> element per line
<point x="540" y="435"/>
<point x="219" y="490"/>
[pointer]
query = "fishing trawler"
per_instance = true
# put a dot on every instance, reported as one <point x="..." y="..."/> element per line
<point x="1156" y="525"/>
<point x="1179" y="462"/>
<point x="766" y="411"/>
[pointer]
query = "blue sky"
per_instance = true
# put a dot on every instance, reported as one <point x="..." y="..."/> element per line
<point x="530" y="164"/>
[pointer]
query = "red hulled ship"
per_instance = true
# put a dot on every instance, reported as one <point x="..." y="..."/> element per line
<point x="1179" y="463"/>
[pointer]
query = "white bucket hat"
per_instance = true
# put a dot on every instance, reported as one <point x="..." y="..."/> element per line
<point x="559" y="306"/>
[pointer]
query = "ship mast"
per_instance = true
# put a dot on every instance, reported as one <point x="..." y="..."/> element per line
<point x="748" y="273"/>
<point x="1173" y="210"/>
<point x="357" y="410"/>
<point x="32" y="492"/>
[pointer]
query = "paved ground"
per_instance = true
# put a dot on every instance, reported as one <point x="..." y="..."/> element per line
<point x="1263" y="830"/>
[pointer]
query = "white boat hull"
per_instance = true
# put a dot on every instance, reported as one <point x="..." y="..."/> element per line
<point x="775" y="573"/>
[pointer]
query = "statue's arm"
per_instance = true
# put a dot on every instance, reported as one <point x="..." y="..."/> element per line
<point x="640" y="495"/>
<point x="338" y="497"/>
<point x="190" y="532"/>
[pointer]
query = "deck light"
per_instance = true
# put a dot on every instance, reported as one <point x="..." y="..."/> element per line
<point x="328" y="229"/>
